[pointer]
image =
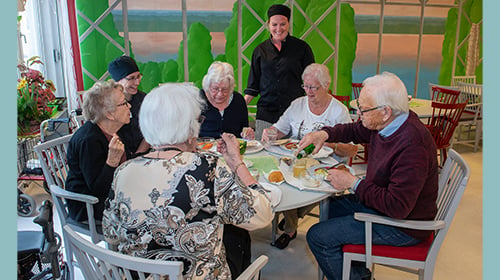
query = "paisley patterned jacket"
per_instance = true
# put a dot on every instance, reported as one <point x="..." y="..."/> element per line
<point x="175" y="210"/>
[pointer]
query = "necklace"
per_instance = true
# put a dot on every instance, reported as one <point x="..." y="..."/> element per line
<point x="167" y="149"/>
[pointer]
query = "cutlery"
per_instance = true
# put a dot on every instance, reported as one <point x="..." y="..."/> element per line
<point x="335" y="165"/>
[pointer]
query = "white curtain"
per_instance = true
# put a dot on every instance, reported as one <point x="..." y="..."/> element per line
<point x="68" y="65"/>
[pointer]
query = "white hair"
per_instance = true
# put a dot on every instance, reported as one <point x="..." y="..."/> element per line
<point x="387" y="89"/>
<point x="320" y="72"/>
<point x="169" y="114"/>
<point x="218" y="72"/>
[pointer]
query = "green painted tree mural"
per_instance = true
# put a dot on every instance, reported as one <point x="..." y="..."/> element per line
<point x="473" y="9"/>
<point x="199" y="54"/>
<point x="95" y="61"/>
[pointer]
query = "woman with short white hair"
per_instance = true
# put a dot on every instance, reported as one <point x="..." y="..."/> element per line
<point x="226" y="110"/>
<point x="173" y="202"/>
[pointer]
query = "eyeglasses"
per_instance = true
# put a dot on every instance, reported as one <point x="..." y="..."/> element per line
<point x="124" y="103"/>
<point x="306" y="87"/>
<point x="201" y="119"/>
<point x="138" y="77"/>
<point x="361" y="111"/>
<point x="218" y="89"/>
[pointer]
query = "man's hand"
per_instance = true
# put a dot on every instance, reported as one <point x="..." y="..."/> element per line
<point x="317" y="138"/>
<point x="341" y="179"/>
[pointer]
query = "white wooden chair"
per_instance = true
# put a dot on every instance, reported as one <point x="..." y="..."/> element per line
<point x="471" y="121"/>
<point x="99" y="263"/>
<point x="421" y="258"/>
<point x="52" y="155"/>
<point x="471" y="79"/>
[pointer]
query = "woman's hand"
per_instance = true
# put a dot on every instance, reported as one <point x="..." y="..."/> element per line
<point x="340" y="179"/>
<point x="115" y="151"/>
<point x="248" y="133"/>
<point x="229" y="147"/>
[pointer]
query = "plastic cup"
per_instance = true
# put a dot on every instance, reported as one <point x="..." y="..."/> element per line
<point x="309" y="180"/>
<point x="272" y="134"/>
<point x="298" y="167"/>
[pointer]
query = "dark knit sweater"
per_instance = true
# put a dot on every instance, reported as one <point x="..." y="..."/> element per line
<point x="88" y="171"/>
<point x="130" y="134"/>
<point x="234" y="120"/>
<point x="402" y="173"/>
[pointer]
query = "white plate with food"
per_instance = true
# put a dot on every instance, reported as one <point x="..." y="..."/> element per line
<point x="315" y="185"/>
<point x="321" y="170"/>
<point x="289" y="148"/>
<point x="280" y="142"/>
<point x="274" y="177"/>
<point x="253" y="146"/>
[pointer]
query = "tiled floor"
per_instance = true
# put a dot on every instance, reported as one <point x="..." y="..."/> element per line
<point x="459" y="258"/>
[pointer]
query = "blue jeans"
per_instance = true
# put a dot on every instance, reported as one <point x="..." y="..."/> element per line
<point x="327" y="238"/>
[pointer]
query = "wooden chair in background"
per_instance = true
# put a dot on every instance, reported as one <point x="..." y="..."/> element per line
<point x="442" y="125"/>
<point x="471" y="121"/>
<point x="444" y="94"/>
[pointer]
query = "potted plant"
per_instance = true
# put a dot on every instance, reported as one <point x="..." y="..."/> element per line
<point x="34" y="93"/>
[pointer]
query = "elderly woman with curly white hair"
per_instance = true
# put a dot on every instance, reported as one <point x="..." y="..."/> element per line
<point x="225" y="110"/>
<point x="173" y="202"/>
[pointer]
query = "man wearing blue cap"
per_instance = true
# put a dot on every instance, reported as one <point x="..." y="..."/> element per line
<point x="124" y="71"/>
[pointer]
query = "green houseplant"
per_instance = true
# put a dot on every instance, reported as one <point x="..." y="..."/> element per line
<point x="34" y="93"/>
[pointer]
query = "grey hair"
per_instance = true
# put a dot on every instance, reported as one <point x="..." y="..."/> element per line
<point x="218" y="72"/>
<point x="98" y="100"/>
<point x="169" y="114"/>
<point x="388" y="89"/>
<point x="320" y="72"/>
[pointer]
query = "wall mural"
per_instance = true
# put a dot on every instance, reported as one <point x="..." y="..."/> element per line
<point x="155" y="30"/>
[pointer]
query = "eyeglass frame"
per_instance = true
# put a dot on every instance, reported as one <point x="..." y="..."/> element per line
<point x="361" y="112"/>
<point x="305" y="87"/>
<point x="139" y="77"/>
<point x="124" y="103"/>
<point x="218" y="89"/>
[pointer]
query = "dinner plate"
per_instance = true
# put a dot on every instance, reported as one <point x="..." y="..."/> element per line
<point x="287" y="149"/>
<point x="280" y="142"/>
<point x="253" y="146"/>
<point x="266" y="176"/>
<point x="323" y="169"/>
<point x="295" y="182"/>
<point x="290" y="146"/>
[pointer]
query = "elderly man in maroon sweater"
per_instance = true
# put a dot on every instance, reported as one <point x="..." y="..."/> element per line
<point x="401" y="177"/>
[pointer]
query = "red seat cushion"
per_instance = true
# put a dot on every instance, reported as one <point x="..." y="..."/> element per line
<point x="417" y="252"/>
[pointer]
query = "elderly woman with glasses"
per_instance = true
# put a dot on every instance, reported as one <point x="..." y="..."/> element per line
<point x="124" y="71"/>
<point x="226" y="110"/>
<point x="95" y="150"/>
<point x="172" y="203"/>
<point x="306" y="114"/>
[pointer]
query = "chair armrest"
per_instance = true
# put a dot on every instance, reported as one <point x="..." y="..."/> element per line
<point x="254" y="268"/>
<point x="411" y="224"/>
<point x="73" y="196"/>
